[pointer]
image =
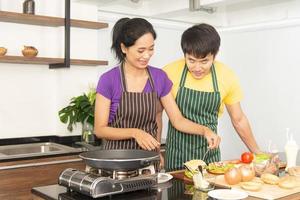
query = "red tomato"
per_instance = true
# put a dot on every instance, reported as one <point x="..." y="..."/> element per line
<point x="247" y="157"/>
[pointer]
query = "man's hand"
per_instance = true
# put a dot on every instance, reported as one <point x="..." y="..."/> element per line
<point x="213" y="139"/>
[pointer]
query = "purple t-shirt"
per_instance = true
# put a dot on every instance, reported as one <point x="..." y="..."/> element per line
<point x="110" y="86"/>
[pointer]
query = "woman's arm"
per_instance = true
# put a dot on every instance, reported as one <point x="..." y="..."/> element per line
<point x="184" y="125"/>
<point x="102" y="130"/>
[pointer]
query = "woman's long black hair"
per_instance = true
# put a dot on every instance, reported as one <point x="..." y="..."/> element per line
<point x="127" y="31"/>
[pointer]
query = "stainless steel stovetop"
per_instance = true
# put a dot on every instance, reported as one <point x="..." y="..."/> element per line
<point x="106" y="182"/>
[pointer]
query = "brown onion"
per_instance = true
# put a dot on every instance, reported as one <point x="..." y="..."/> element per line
<point x="233" y="176"/>
<point x="247" y="172"/>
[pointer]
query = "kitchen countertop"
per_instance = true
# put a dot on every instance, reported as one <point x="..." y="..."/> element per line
<point x="174" y="189"/>
<point x="69" y="141"/>
<point x="65" y="140"/>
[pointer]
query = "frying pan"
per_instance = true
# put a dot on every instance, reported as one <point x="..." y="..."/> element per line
<point x="119" y="159"/>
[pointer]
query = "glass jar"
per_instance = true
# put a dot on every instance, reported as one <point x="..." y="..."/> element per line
<point x="268" y="165"/>
<point x="87" y="132"/>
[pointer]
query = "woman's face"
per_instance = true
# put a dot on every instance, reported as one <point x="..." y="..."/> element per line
<point x="199" y="67"/>
<point x="139" y="54"/>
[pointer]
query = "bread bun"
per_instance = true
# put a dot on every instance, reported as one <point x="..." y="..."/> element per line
<point x="193" y="164"/>
<point x="251" y="186"/>
<point x="287" y="183"/>
<point x="294" y="171"/>
<point x="269" y="179"/>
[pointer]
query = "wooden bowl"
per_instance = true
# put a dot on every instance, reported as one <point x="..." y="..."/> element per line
<point x="29" y="51"/>
<point x="2" y="51"/>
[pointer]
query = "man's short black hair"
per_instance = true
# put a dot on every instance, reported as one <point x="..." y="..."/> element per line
<point x="200" y="40"/>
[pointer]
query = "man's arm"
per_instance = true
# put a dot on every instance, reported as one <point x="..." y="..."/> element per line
<point x="159" y="130"/>
<point x="242" y="126"/>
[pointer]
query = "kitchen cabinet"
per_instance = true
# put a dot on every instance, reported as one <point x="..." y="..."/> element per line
<point x="50" y="21"/>
<point x="19" y="177"/>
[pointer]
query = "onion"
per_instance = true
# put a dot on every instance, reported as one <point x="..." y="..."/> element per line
<point x="233" y="176"/>
<point x="247" y="172"/>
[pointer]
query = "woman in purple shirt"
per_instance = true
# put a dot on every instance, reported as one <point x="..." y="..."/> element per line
<point x="129" y="95"/>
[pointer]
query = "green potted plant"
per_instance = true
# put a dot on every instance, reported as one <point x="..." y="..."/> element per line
<point x="80" y="110"/>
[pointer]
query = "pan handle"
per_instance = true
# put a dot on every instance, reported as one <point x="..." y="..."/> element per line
<point x="146" y="162"/>
<point x="88" y="146"/>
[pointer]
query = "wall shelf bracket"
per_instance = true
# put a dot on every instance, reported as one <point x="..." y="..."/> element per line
<point x="66" y="63"/>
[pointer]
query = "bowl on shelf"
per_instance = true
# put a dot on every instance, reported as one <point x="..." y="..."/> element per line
<point x="29" y="51"/>
<point x="3" y="51"/>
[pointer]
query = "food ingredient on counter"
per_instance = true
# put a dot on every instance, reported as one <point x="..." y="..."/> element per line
<point x="247" y="172"/>
<point x="247" y="157"/>
<point x="262" y="157"/>
<point x="269" y="178"/>
<point x="287" y="182"/>
<point x="192" y="167"/>
<point x="233" y="176"/>
<point x="252" y="186"/>
<point x="219" y="167"/>
<point x="294" y="171"/>
<point x="265" y="163"/>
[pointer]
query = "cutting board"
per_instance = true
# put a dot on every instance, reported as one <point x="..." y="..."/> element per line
<point x="267" y="191"/>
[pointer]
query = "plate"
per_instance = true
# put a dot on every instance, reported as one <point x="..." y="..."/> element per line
<point x="163" y="177"/>
<point x="227" y="194"/>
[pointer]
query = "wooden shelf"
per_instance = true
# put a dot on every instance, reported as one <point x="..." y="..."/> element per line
<point x="47" y="61"/>
<point x="47" y="20"/>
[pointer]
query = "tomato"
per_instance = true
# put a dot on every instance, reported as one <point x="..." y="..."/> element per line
<point x="247" y="157"/>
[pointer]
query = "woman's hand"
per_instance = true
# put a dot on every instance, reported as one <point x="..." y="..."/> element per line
<point x="145" y="140"/>
<point x="213" y="139"/>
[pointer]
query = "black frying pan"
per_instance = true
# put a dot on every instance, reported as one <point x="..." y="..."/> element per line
<point x="129" y="159"/>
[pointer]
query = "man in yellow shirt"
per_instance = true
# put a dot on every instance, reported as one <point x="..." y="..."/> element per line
<point x="201" y="88"/>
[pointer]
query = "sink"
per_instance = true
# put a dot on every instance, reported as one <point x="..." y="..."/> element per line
<point x="34" y="149"/>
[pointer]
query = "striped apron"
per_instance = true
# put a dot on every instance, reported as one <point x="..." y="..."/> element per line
<point x="202" y="108"/>
<point x="135" y="110"/>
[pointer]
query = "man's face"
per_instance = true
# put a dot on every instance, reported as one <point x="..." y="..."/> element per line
<point x="199" y="67"/>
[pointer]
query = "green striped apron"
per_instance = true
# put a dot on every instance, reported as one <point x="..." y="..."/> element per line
<point x="202" y="108"/>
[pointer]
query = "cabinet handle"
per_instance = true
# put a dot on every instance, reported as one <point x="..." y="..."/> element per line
<point x="40" y="164"/>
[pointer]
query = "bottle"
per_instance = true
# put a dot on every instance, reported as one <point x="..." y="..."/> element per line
<point x="291" y="150"/>
<point x="28" y="7"/>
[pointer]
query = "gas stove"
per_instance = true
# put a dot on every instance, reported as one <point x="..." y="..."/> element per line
<point x="102" y="183"/>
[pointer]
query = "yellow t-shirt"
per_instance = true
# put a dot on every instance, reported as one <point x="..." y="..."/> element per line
<point x="228" y="83"/>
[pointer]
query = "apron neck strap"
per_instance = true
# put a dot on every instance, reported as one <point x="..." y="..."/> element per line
<point x="123" y="80"/>
<point x="214" y="78"/>
<point x="183" y="76"/>
<point x="150" y="79"/>
<point x="213" y="74"/>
